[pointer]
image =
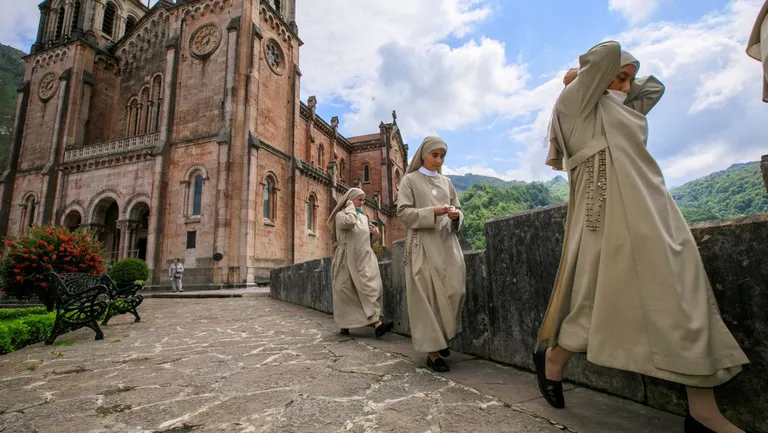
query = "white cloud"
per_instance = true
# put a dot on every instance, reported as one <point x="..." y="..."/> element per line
<point x="398" y="61"/>
<point x="18" y="23"/>
<point x="703" y="159"/>
<point x="634" y="10"/>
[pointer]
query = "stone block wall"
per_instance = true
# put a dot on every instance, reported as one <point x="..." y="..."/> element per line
<point x="508" y="287"/>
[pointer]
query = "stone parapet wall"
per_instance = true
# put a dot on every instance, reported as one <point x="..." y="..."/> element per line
<point x="508" y="288"/>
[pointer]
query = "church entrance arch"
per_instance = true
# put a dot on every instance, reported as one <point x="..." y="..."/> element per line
<point x="137" y="228"/>
<point x="104" y="222"/>
<point x="72" y="220"/>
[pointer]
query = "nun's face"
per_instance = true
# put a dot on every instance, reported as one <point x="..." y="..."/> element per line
<point x="434" y="160"/>
<point x="358" y="202"/>
<point x="623" y="80"/>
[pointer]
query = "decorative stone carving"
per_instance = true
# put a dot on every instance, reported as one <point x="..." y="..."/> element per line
<point x="48" y="86"/>
<point x="275" y="57"/>
<point x="205" y="40"/>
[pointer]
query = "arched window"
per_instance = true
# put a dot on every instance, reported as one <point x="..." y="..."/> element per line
<point x="130" y="23"/>
<point x="197" y="196"/>
<point x="311" y="213"/>
<point x="108" y="24"/>
<point x="366" y="173"/>
<point x="157" y="99"/>
<point x="32" y="208"/>
<point x="60" y="23"/>
<point x="320" y="157"/>
<point x="270" y="199"/>
<point x="75" y="16"/>
<point x="194" y="187"/>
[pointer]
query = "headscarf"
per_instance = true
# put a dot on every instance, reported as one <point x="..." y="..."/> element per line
<point x="428" y="145"/>
<point x="626" y="59"/>
<point x="629" y="59"/>
<point x="351" y="194"/>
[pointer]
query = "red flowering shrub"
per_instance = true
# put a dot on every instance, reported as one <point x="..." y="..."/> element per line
<point x="28" y="259"/>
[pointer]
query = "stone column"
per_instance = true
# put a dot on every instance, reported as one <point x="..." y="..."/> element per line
<point x="41" y="35"/>
<point x="123" y="227"/>
<point x="764" y="168"/>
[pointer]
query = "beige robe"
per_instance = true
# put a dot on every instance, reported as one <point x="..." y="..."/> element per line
<point x="356" y="280"/>
<point x="434" y="270"/>
<point x="632" y="293"/>
<point x="757" y="46"/>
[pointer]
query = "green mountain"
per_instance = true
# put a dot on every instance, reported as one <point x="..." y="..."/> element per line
<point x="739" y="190"/>
<point x="11" y="76"/>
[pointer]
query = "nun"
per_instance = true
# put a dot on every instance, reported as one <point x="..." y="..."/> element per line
<point x="631" y="290"/>
<point x="356" y="282"/>
<point x="757" y="46"/>
<point x="434" y="263"/>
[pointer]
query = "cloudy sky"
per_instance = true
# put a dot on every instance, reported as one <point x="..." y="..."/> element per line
<point x="483" y="74"/>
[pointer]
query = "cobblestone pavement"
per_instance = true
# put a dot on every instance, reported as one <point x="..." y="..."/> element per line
<point x="258" y="365"/>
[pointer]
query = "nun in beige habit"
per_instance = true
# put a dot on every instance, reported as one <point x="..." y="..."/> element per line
<point x="631" y="290"/>
<point x="434" y="264"/>
<point x="757" y="46"/>
<point x="356" y="282"/>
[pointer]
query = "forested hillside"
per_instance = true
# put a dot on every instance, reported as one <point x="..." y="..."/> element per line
<point x="739" y="190"/>
<point x="11" y="76"/>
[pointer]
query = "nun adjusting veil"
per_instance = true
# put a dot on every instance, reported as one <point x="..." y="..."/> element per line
<point x="626" y="59"/>
<point x="428" y="145"/>
<point x="351" y="194"/>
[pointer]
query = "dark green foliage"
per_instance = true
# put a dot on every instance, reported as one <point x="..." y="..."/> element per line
<point x="11" y="76"/>
<point x="482" y="202"/>
<point x="129" y="271"/>
<point x="30" y="329"/>
<point x="15" y="313"/>
<point x="737" y="191"/>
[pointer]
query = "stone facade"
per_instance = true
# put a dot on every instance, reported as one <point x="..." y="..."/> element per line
<point x="178" y="131"/>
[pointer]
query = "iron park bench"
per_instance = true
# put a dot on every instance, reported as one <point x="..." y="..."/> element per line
<point x="122" y="299"/>
<point x="78" y="298"/>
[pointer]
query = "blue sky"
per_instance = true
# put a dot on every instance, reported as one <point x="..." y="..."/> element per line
<point x="483" y="74"/>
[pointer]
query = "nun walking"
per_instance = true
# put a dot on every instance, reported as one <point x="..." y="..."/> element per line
<point x="434" y="263"/>
<point x="631" y="290"/>
<point x="356" y="280"/>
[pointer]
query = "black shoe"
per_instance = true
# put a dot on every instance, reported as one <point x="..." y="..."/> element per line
<point x="344" y="331"/>
<point x="693" y="426"/>
<point x="384" y="328"/>
<point x="438" y="365"/>
<point x="444" y="353"/>
<point x="552" y="390"/>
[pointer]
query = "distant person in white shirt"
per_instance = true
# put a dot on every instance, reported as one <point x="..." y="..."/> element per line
<point x="176" y="272"/>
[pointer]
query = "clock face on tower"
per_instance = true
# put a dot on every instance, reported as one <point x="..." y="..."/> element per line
<point x="48" y="86"/>
<point x="205" y="40"/>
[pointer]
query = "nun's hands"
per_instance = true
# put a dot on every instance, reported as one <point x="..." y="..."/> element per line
<point x="570" y="76"/>
<point x="349" y="202"/>
<point x="453" y="213"/>
<point x="441" y="210"/>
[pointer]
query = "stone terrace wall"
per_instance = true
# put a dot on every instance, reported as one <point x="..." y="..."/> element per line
<point x="509" y="284"/>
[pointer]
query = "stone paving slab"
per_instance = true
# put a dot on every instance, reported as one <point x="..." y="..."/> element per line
<point x="255" y="364"/>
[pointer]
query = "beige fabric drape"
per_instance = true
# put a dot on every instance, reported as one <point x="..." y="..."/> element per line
<point x="757" y="46"/>
<point x="434" y="268"/>
<point x="356" y="282"/>
<point x="631" y="290"/>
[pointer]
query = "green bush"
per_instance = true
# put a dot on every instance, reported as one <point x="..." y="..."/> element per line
<point x="17" y="333"/>
<point x="129" y="270"/>
<point x="17" y="313"/>
<point x="29" y="258"/>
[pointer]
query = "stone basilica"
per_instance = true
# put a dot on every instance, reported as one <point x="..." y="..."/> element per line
<point x="178" y="131"/>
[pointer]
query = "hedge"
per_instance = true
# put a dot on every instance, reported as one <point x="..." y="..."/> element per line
<point x="20" y="332"/>
<point x="16" y="313"/>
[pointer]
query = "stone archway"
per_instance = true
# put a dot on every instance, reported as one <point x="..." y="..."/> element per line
<point x="104" y="219"/>
<point x="136" y="229"/>
<point x="72" y="220"/>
